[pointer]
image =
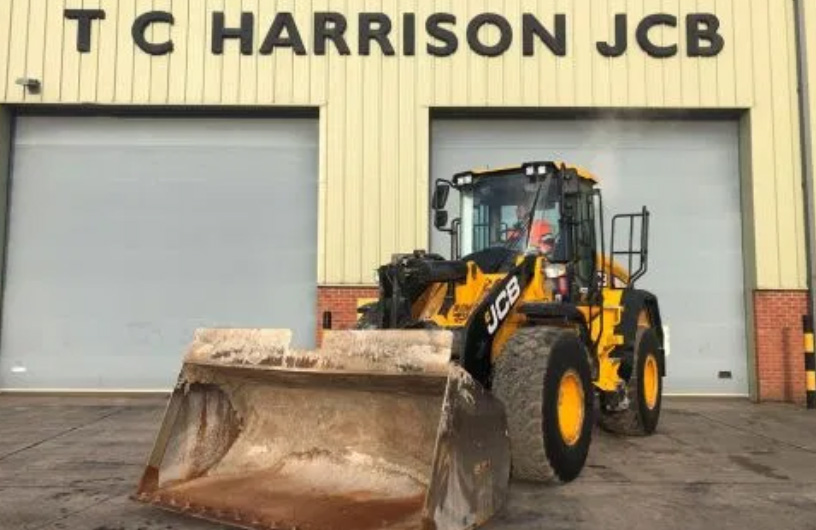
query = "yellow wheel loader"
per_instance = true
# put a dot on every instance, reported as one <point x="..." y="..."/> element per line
<point x="463" y="373"/>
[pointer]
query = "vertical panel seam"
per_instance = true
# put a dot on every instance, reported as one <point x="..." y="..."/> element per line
<point x="717" y="63"/>
<point x="133" y="79"/>
<point x="221" y="59"/>
<point x="44" y="37"/>
<point x="786" y="79"/>
<point x="342" y="163"/>
<point x="324" y="203"/>
<point x="7" y="47"/>
<point x="469" y="56"/>
<point x="203" y="51"/>
<point x="78" y="72"/>
<point x="504" y="60"/>
<point x="645" y="64"/>
<point x="80" y="60"/>
<point x="790" y="39"/>
<point x="629" y="57"/>
<point x="775" y="154"/>
<point x="734" y="52"/>
<point x="380" y="140"/>
<point x="62" y="54"/>
<point x="151" y="59"/>
<point x="592" y="64"/>
<point x="752" y="84"/>
<point x="397" y="188"/>
<point x="98" y="49"/>
<point x="168" y="85"/>
<point x="258" y="72"/>
<point x="413" y="130"/>
<point x="662" y="64"/>
<point x="26" y="41"/>
<point x="48" y="13"/>
<point x="698" y="65"/>
<point x="186" y="52"/>
<point x="256" y="23"/>
<point x="115" y="75"/>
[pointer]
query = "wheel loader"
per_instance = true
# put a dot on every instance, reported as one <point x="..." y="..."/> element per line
<point x="465" y="372"/>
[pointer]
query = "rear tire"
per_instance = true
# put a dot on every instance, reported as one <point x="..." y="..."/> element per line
<point x="370" y="317"/>
<point x="543" y="378"/>
<point x="644" y="391"/>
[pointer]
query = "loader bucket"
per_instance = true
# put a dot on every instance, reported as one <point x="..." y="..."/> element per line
<point x="376" y="429"/>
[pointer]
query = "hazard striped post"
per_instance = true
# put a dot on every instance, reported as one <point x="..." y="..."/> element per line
<point x="810" y="362"/>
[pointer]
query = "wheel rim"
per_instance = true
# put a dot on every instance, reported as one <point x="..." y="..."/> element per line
<point x="570" y="407"/>
<point x="650" y="382"/>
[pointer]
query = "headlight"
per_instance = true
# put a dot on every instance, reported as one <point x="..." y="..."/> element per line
<point x="464" y="180"/>
<point x="555" y="270"/>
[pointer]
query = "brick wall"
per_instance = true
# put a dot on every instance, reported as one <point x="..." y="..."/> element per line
<point x="342" y="303"/>
<point x="779" y="353"/>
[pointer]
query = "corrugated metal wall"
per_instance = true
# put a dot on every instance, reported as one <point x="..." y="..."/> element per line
<point x="810" y="23"/>
<point x="375" y="109"/>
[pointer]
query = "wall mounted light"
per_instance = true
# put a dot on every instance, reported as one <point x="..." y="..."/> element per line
<point x="29" y="83"/>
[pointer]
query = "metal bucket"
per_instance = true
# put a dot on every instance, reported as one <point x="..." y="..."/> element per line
<point x="377" y="429"/>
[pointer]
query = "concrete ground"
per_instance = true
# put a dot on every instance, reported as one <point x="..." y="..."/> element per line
<point x="70" y="463"/>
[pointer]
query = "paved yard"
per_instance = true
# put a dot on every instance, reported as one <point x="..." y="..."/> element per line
<point x="70" y="463"/>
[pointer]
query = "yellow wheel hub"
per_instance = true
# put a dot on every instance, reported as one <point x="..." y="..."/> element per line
<point x="570" y="407"/>
<point x="650" y="381"/>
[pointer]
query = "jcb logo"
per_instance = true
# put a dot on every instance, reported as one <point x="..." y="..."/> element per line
<point x="501" y="307"/>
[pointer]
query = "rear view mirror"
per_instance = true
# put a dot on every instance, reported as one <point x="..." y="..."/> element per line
<point x="440" y="219"/>
<point x="440" y="195"/>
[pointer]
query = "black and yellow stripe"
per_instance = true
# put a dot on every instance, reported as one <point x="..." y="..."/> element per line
<point x="810" y="362"/>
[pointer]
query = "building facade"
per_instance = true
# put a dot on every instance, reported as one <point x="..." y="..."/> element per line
<point x="175" y="164"/>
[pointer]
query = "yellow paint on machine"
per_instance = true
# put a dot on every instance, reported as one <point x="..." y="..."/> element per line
<point x="375" y="110"/>
<point x="364" y="301"/>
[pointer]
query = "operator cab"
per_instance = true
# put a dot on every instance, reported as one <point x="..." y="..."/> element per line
<point x="538" y="207"/>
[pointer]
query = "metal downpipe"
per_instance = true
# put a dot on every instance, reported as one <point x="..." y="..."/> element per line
<point x="806" y="138"/>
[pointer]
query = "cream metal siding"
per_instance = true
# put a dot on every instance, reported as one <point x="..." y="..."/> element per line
<point x="375" y="110"/>
<point x="810" y="24"/>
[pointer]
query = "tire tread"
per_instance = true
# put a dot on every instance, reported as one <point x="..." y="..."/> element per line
<point x="517" y="382"/>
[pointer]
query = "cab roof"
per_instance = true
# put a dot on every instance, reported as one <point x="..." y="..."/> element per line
<point x="479" y="172"/>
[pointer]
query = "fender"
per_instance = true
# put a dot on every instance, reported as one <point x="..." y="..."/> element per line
<point x="488" y="317"/>
<point x="633" y="301"/>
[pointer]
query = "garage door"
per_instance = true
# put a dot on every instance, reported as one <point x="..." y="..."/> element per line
<point x="127" y="234"/>
<point x="687" y="174"/>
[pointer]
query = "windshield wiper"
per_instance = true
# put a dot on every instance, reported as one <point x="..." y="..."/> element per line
<point x="528" y="221"/>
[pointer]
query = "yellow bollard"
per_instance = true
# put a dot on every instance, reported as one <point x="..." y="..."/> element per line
<point x="810" y="362"/>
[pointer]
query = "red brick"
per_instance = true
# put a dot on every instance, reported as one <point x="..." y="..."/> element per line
<point x="778" y="333"/>
<point x="342" y="303"/>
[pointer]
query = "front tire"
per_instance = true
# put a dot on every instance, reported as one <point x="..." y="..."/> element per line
<point x="543" y="378"/>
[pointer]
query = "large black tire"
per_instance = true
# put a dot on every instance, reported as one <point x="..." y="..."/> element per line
<point x="526" y="378"/>
<point x="641" y="417"/>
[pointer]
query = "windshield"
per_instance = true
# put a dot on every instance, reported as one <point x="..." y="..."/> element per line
<point x="498" y="212"/>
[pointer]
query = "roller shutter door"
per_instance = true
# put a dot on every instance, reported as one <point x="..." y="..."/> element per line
<point x="687" y="173"/>
<point x="126" y="234"/>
